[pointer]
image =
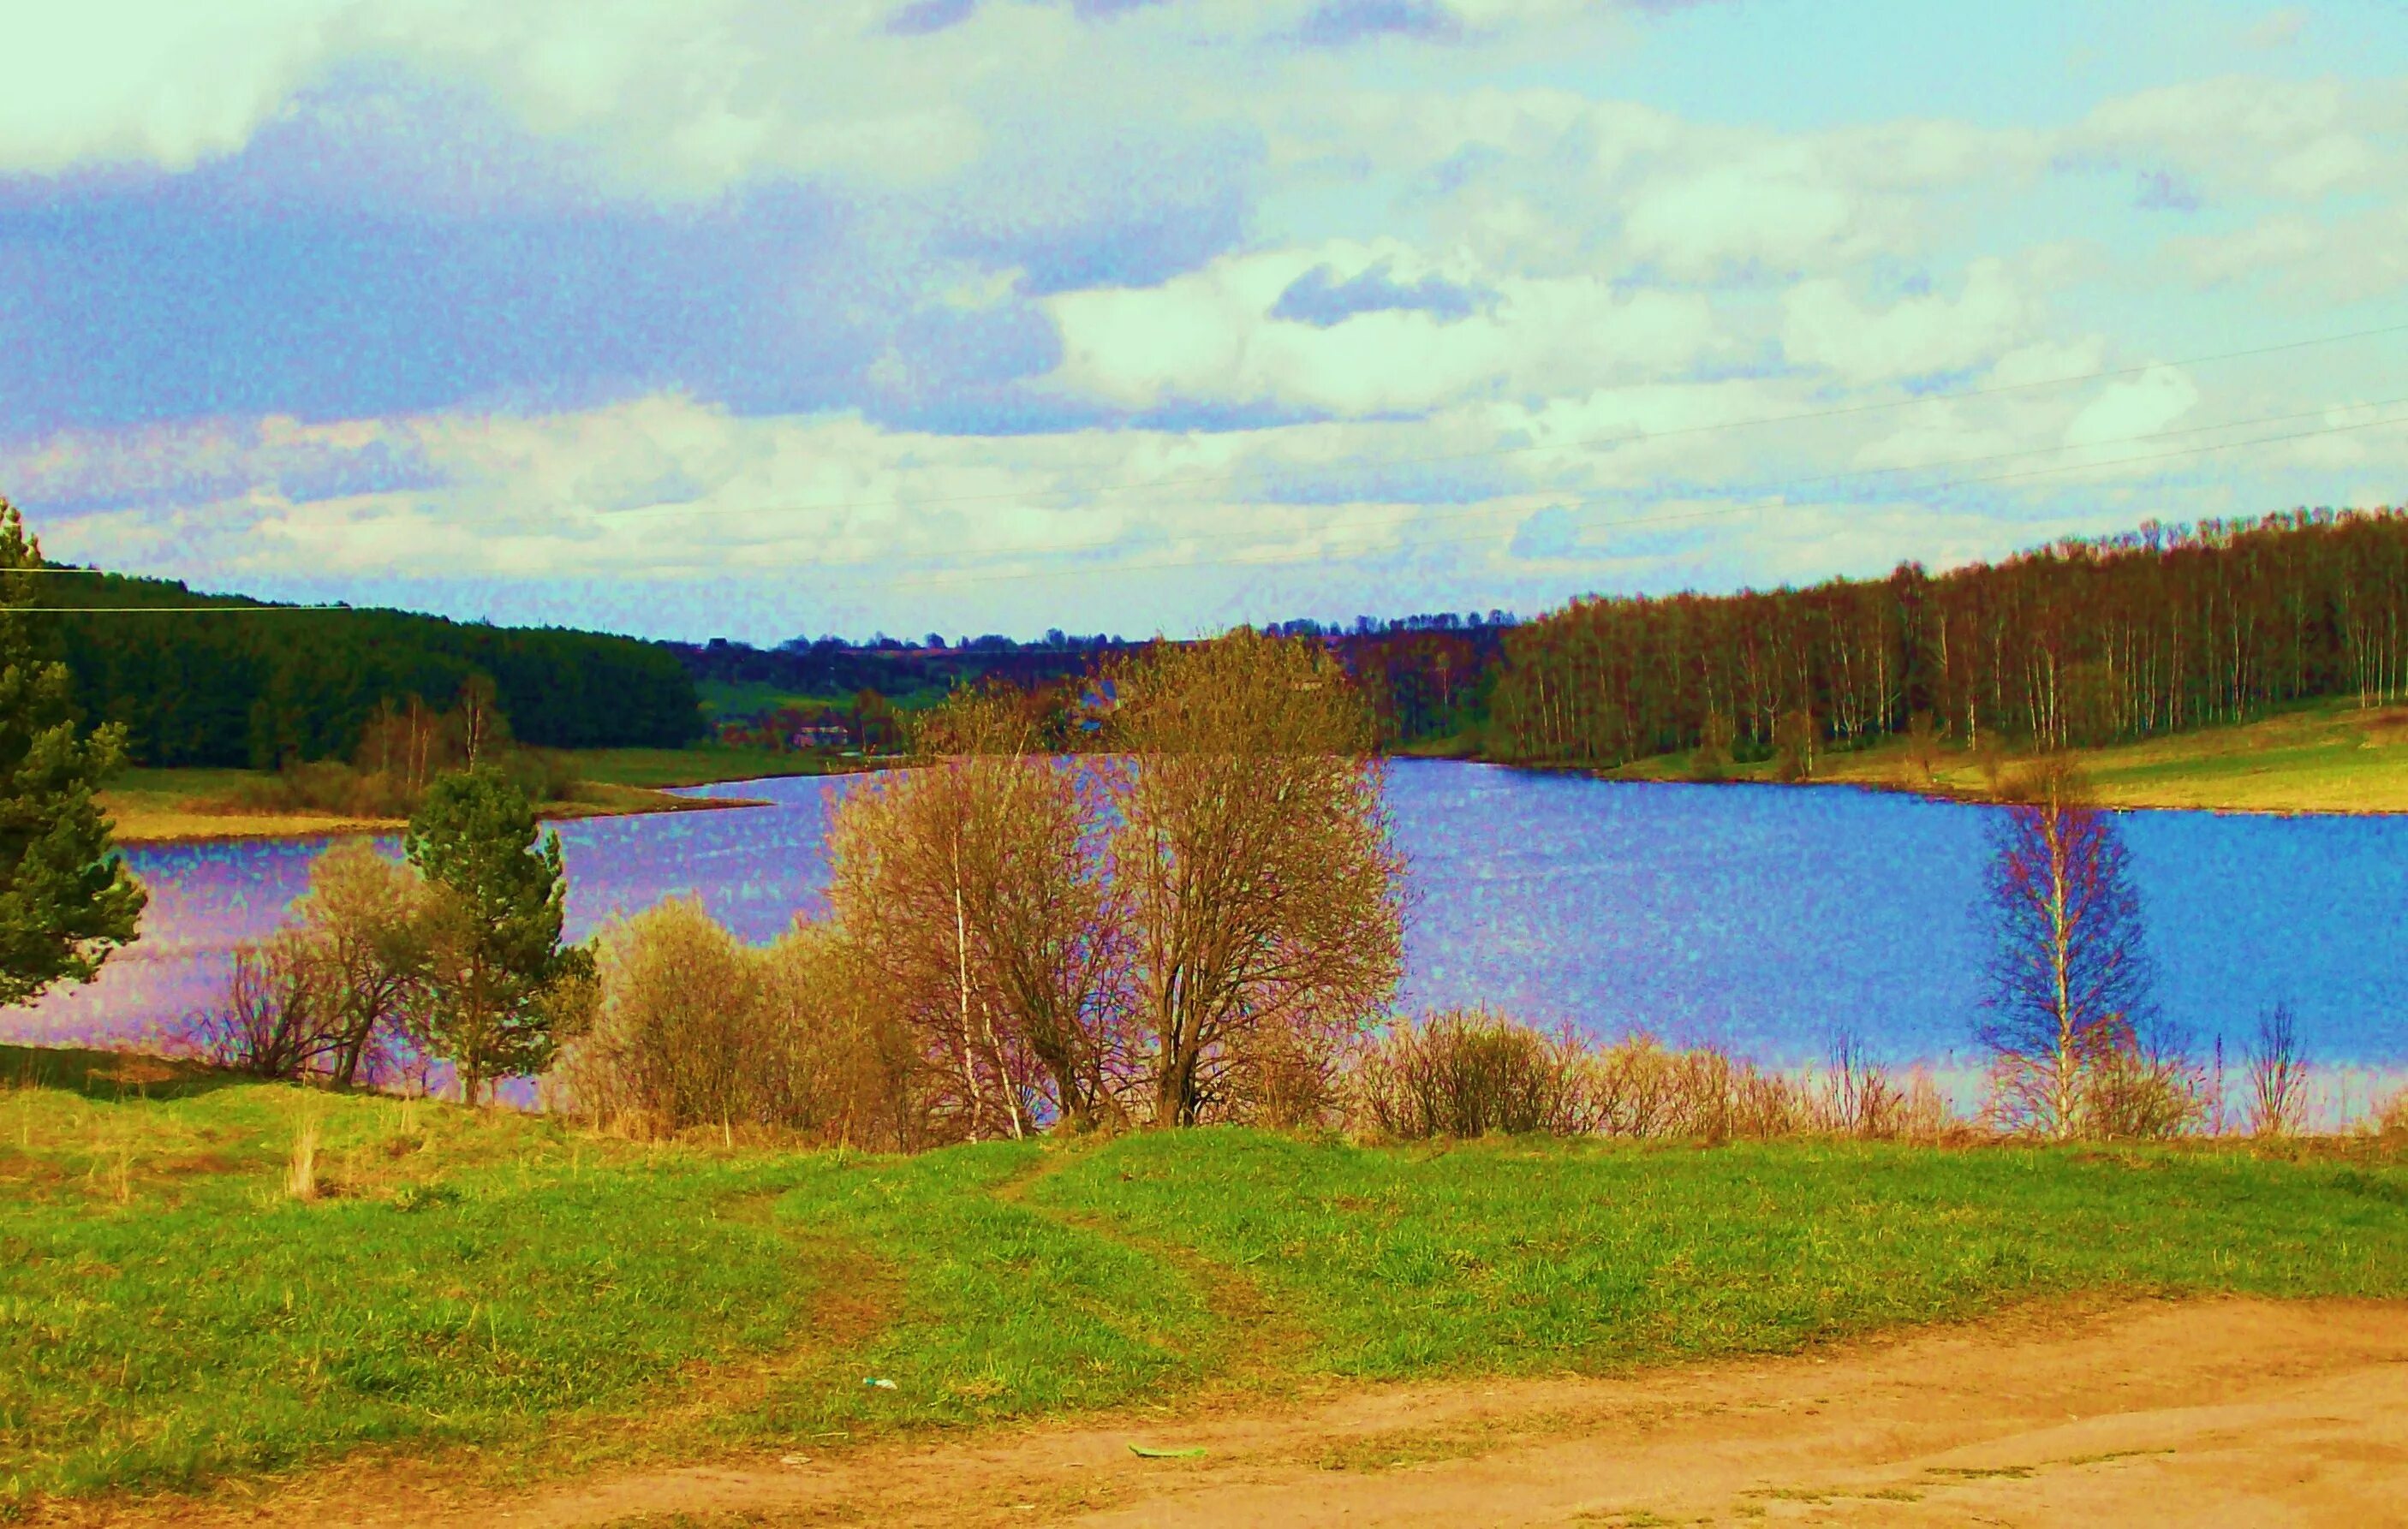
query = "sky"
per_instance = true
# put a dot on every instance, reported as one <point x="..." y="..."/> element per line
<point x="756" y="319"/>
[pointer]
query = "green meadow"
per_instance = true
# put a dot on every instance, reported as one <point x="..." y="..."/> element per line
<point x="201" y="1278"/>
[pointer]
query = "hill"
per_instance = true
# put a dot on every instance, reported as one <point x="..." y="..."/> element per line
<point x="222" y="680"/>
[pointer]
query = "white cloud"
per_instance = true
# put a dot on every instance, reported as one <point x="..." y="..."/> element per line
<point x="164" y="82"/>
<point x="2294" y="139"/>
<point x="1824" y="325"/>
<point x="2139" y="405"/>
<point x="1209" y="338"/>
<point x="2316" y="261"/>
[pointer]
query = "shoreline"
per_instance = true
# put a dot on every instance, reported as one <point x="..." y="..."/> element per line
<point x="2109" y="800"/>
<point x="151" y="829"/>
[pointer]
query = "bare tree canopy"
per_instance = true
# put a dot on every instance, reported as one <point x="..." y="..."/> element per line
<point x="976" y="893"/>
<point x="2069" y="975"/>
<point x="1263" y="890"/>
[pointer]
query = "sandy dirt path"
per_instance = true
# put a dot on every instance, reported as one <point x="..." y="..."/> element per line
<point x="2213" y="1412"/>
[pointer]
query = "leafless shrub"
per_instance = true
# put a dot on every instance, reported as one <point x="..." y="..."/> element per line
<point x="1860" y="1099"/>
<point x="693" y="1028"/>
<point x="2278" y="1076"/>
<point x="1287" y="1080"/>
<point x="676" y="1040"/>
<point x="2391" y="1117"/>
<point x="334" y="991"/>
<point x="2144" y="1093"/>
<point x="1467" y="1072"/>
<point x="281" y="1018"/>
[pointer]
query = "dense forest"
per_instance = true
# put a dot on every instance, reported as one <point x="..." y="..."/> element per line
<point x="1427" y="675"/>
<point x="834" y="668"/>
<point x="244" y="683"/>
<point x="2082" y="642"/>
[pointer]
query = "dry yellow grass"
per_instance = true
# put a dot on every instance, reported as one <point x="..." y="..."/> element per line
<point x="169" y="806"/>
<point x="2327" y="759"/>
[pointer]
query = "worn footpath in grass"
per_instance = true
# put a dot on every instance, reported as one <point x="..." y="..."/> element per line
<point x="170" y="1314"/>
<point x="1541" y="1255"/>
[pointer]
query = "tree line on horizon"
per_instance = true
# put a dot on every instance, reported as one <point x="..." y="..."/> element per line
<point x="263" y="686"/>
<point x="2081" y="642"/>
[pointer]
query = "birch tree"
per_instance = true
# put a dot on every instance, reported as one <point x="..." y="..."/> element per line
<point x="2069" y="975"/>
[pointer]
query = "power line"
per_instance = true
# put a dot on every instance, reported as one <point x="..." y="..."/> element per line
<point x="970" y="579"/>
<point x="1310" y="469"/>
<point x="166" y="611"/>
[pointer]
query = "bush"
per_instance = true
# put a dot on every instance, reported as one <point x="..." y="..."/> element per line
<point x="1466" y="1073"/>
<point x="2132" y="1095"/>
<point x="281" y="1018"/>
<point x="695" y="1028"/>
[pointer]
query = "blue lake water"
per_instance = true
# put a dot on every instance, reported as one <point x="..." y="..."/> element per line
<point x="1763" y="918"/>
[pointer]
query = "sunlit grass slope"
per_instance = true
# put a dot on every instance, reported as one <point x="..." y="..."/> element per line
<point x="171" y="1312"/>
<point x="2332" y="757"/>
<point x="153" y="805"/>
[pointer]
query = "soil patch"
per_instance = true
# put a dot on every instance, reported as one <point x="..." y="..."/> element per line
<point x="2226" y="1411"/>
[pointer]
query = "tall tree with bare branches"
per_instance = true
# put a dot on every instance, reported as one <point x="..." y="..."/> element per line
<point x="975" y="890"/>
<point x="2068" y="974"/>
<point x="1262" y="890"/>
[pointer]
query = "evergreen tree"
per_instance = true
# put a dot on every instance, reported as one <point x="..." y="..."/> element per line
<point x="499" y="967"/>
<point x="67" y="899"/>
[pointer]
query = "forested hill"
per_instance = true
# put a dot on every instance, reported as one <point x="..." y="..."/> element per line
<point x="248" y="683"/>
<point x="2083" y="642"/>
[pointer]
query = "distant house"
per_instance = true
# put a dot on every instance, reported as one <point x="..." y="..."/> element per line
<point x="820" y="735"/>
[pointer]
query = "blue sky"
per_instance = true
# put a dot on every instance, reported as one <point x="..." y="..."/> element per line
<point x="748" y="319"/>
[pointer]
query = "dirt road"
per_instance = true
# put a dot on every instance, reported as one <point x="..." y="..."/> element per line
<point x="2219" y="1412"/>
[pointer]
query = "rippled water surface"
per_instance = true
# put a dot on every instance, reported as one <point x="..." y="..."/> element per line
<point x="1764" y="918"/>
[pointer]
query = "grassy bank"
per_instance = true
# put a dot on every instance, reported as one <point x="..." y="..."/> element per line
<point x="171" y="1313"/>
<point x="2329" y="757"/>
<point x="164" y="806"/>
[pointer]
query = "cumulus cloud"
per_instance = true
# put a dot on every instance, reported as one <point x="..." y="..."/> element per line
<point x="2348" y="259"/>
<point x="1825" y="326"/>
<point x="154" y="82"/>
<point x="858" y="303"/>
<point x="2293" y="139"/>
<point x="1217" y="335"/>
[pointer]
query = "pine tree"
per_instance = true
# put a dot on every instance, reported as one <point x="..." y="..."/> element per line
<point x="499" y="967"/>
<point x="67" y="899"/>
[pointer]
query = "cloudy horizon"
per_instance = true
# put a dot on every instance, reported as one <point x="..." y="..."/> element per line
<point x="747" y="319"/>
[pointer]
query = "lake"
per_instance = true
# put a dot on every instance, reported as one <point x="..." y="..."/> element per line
<point x="1763" y="918"/>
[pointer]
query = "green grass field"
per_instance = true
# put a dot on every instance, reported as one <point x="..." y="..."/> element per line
<point x="753" y="697"/>
<point x="170" y="1314"/>
<point x="698" y="765"/>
